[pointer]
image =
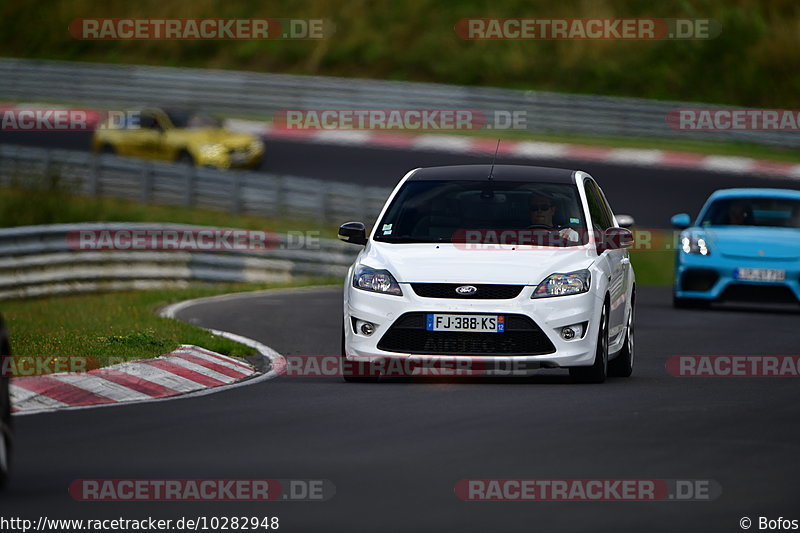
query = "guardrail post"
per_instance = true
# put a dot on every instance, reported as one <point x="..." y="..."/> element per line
<point x="280" y="194"/>
<point x="188" y="200"/>
<point x="325" y="196"/>
<point x="147" y="183"/>
<point x="94" y="174"/>
<point x="236" y="193"/>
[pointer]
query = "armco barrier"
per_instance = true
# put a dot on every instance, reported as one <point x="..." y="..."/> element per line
<point x="250" y="193"/>
<point x="260" y="95"/>
<point x="38" y="261"/>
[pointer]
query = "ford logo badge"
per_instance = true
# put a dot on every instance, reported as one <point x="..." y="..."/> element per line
<point x="466" y="290"/>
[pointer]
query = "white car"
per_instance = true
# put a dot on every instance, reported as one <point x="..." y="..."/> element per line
<point x="505" y="265"/>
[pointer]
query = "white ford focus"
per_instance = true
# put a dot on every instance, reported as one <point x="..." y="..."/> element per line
<point x="503" y="264"/>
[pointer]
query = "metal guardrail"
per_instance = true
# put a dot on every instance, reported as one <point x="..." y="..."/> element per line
<point x="249" y="193"/>
<point x="261" y="95"/>
<point x="38" y="261"/>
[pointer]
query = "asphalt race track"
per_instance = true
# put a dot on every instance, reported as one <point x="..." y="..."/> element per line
<point x="651" y="194"/>
<point x="395" y="450"/>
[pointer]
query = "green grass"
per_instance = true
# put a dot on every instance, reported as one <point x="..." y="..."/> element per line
<point x="53" y="204"/>
<point x="116" y="327"/>
<point x="653" y="268"/>
<point x="753" y="62"/>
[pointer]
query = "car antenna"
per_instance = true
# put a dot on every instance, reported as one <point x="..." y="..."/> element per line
<point x="491" y="170"/>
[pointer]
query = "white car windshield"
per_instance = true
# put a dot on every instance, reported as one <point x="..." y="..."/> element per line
<point x="450" y="211"/>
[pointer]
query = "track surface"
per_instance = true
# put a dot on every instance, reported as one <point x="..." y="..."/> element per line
<point x="651" y="195"/>
<point x="394" y="450"/>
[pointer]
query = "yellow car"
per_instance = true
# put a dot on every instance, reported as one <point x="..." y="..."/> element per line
<point x="179" y="135"/>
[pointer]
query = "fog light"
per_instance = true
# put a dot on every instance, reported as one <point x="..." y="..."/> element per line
<point x="573" y="331"/>
<point x="367" y="328"/>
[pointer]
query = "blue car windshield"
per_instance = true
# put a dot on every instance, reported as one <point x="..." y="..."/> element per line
<point x="758" y="211"/>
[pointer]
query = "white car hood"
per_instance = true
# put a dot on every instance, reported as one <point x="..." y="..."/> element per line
<point x="448" y="263"/>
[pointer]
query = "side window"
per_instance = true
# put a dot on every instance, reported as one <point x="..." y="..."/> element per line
<point x="601" y="220"/>
<point x="605" y="206"/>
<point x="147" y="121"/>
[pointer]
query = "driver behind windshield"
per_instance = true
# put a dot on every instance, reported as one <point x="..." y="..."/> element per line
<point x="542" y="210"/>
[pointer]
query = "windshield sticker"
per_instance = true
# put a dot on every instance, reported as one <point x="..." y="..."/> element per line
<point x="387" y="229"/>
<point x="574" y="221"/>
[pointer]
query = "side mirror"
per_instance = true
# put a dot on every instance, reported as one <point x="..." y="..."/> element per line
<point x="681" y="221"/>
<point x="616" y="239"/>
<point x="353" y="232"/>
<point x="625" y="221"/>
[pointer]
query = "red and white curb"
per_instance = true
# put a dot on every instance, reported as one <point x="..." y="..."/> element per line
<point x="462" y="144"/>
<point x="188" y="372"/>
<point x="185" y="370"/>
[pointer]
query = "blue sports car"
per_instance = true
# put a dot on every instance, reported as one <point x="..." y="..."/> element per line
<point x="744" y="246"/>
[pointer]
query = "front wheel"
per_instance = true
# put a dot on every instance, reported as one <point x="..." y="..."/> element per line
<point x="599" y="370"/>
<point x="6" y="433"/>
<point x="622" y="366"/>
<point x="185" y="158"/>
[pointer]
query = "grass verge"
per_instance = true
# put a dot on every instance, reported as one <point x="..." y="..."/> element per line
<point x="654" y="268"/>
<point x="117" y="326"/>
<point x="53" y="204"/>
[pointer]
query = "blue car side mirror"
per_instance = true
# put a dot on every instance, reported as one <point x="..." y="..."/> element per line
<point x="681" y="221"/>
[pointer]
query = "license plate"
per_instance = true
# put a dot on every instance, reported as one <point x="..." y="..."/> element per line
<point x="759" y="274"/>
<point x="472" y="323"/>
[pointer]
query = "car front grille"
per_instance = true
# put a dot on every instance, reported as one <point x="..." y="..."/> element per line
<point x="521" y="337"/>
<point x="736" y="292"/>
<point x="483" y="292"/>
<point x="698" y="279"/>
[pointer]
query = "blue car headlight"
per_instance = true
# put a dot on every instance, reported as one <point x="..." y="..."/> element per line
<point x="375" y="280"/>
<point x="564" y="284"/>
<point x="692" y="243"/>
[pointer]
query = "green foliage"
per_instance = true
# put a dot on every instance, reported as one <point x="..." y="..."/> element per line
<point x="755" y="61"/>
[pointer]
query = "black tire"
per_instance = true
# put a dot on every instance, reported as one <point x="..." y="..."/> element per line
<point x="6" y="433"/>
<point x="690" y="303"/>
<point x="599" y="370"/>
<point x="185" y="158"/>
<point x="363" y="373"/>
<point x="622" y="365"/>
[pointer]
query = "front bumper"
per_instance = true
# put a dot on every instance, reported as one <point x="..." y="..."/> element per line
<point x="712" y="278"/>
<point x="549" y="314"/>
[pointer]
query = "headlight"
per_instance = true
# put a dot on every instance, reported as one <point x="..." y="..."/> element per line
<point x="371" y="279"/>
<point x="564" y="284"/>
<point x="694" y="244"/>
